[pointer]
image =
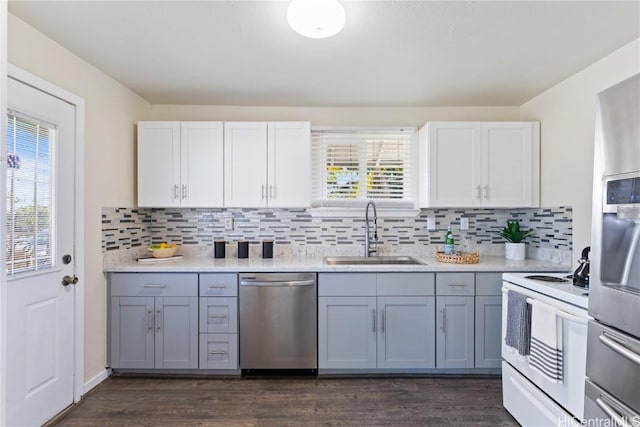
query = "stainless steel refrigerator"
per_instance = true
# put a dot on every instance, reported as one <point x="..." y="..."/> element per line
<point x="612" y="389"/>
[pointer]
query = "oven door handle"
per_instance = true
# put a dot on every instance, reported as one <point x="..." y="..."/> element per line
<point x="620" y="349"/>
<point x="620" y="420"/>
<point x="561" y="313"/>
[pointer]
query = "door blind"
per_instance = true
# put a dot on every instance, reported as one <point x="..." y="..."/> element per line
<point x="351" y="166"/>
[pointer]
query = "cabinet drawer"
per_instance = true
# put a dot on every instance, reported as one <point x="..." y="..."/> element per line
<point x="154" y="284"/>
<point x="218" y="315"/>
<point x="218" y="351"/>
<point x="347" y="284"/>
<point x="455" y="284"/>
<point x="488" y="283"/>
<point x="409" y="284"/>
<point x="218" y="285"/>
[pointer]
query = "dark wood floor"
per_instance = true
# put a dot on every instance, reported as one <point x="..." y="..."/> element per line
<point x="292" y="401"/>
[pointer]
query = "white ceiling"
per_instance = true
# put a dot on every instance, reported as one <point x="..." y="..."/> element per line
<point x="390" y="53"/>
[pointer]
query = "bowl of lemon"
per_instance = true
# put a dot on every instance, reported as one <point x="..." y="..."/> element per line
<point x="163" y="250"/>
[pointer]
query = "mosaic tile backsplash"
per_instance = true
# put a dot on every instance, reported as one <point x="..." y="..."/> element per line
<point x="127" y="228"/>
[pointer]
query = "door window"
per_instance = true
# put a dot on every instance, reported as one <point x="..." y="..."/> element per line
<point x="30" y="194"/>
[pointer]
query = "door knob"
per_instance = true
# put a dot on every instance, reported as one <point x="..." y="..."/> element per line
<point x="69" y="280"/>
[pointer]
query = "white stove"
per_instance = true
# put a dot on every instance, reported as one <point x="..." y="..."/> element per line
<point x="530" y="397"/>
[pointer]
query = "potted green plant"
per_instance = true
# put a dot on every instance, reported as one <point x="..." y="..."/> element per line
<point x="514" y="248"/>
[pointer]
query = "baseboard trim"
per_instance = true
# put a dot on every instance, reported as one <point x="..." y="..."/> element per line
<point x="96" y="380"/>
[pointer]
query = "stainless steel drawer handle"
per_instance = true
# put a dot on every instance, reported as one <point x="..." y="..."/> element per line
<point x="458" y="284"/>
<point x="620" y="420"/>
<point x="217" y="352"/>
<point x="217" y="286"/>
<point x="620" y="349"/>
<point x="154" y="286"/>
<point x="217" y="316"/>
<point x="289" y="283"/>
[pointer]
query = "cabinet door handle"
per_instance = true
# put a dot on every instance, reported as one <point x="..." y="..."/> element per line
<point x="374" y="320"/>
<point x="158" y="320"/>
<point x="443" y="320"/>
<point x="271" y="193"/>
<point x="184" y="191"/>
<point x="217" y="316"/>
<point x="149" y="320"/>
<point x="383" y="321"/>
<point x="478" y="189"/>
<point x="486" y="192"/>
<point x="175" y="191"/>
<point x="262" y="192"/>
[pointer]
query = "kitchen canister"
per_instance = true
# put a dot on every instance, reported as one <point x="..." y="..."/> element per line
<point x="243" y="249"/>
<point x="218" y="248"/>
<point x="267" y="249"/>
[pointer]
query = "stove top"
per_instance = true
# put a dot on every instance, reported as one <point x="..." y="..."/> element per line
<point x="544" y="278"/>
<point x="559" y="287"/>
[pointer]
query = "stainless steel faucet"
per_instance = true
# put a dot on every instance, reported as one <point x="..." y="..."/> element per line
<point x="367" y="235"/>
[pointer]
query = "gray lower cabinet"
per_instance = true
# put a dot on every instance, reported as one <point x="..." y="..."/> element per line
<point x="218" y="320"/>
<point x="488" y="320"/>
<point x="376" y="321"/>
<point x="154" y="321"/>
<point x="455" y="307"/>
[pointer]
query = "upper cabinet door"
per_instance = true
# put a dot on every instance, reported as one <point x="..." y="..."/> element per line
<point x="510" y="155"/>
<point x="201" y="169"/>
<point x="158" y="164"/>
<point x="245" y="172"/>
<point x="289" y="164"/>
<point x="450" y="162"/>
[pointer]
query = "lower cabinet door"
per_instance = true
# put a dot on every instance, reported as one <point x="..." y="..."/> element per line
<point x="454" y="332"/>
<point x="218" y="351"/>
<point x="176" y="325"/>
<point x="132" y="332"/>
<point x="488" y="331"/>
<point x="347" y="332"/>
<point x="406" y="335"/>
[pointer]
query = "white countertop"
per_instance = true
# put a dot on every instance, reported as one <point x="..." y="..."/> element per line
<point x="562" y="291"/>
<point x="201" y="264"/>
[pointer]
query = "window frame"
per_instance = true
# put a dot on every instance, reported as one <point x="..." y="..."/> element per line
<point x="404" y="207"/>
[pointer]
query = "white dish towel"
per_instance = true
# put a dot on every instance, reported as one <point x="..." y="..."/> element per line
<point x="546" y="354"/>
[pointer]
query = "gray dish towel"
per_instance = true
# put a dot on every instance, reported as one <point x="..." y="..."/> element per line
<point x="518" y="323"/>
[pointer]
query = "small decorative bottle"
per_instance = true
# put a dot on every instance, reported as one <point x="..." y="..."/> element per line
<point x="448" y="242"/>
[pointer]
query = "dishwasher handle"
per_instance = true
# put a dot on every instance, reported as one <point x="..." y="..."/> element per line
<point x="278" y="283"/>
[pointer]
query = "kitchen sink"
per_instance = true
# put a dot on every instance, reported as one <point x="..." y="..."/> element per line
<point x="372" y="260"/>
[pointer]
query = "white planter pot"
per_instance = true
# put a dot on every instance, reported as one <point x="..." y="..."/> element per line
<point x="514" y="251"/>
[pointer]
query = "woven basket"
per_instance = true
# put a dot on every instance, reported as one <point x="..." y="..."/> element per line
<point x="459" y="258"/>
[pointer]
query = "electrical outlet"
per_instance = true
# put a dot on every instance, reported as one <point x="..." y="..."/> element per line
<point x="431" y="223"/>
<point x="228" y="223"/>
<point x="464" y="223"/>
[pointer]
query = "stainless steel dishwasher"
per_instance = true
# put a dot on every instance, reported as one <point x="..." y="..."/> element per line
<point x="278" y="321"/>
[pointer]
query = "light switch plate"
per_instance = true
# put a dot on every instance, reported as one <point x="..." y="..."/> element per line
<point x="464" y="223"/>
<point x="431" y="223"/>
<point x="228" y="223"/>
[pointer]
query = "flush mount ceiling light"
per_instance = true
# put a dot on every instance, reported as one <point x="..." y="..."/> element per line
<point x="317" y="19"/>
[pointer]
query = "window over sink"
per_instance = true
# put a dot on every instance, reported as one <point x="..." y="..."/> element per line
<point x="353" y="165"/>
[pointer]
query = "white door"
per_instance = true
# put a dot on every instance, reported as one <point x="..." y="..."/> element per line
<point x="245" y="162"/>
<point x="40" y="233"/>
<point x="159" y="164"/>
<point x="289" y="165"/>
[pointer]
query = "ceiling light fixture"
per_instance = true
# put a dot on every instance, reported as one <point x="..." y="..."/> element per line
<point x="317" y="19"/>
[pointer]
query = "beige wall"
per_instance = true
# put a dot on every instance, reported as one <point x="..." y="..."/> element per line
<point x="416" y="116"/>
<point x="567" y="115"/>
<point x="111" y="110"/>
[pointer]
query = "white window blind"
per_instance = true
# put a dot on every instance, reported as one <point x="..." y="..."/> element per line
<point x="30" y="171"/>
<point x="352" y="165"/>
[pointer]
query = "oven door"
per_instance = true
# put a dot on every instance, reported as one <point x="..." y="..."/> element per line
<point x="570" y="393"/>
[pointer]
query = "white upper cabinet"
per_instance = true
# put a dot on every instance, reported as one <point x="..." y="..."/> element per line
<point x="267" y="164"/>
<point x="479" y="164"/>
<point x="180" y="164"/>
